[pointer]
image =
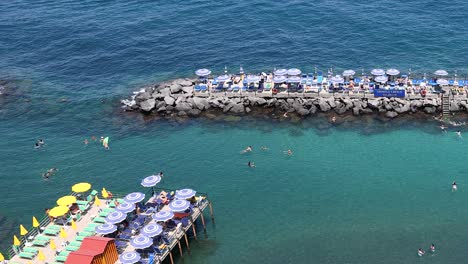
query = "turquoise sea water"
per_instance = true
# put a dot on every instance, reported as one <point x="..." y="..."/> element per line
<point x="361" y="193"/>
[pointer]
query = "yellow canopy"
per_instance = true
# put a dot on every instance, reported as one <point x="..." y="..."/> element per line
<point x="62" y="233"/>
<point x="2" y="258"/>
<point x="52" y="244"/>
<point x="66" y="200"/>
<point x="58" y="211"/>
<point x="35" y="222"/>
<point x="104" y="193"/>
<point x="16" y="241"/>
<point x="40" y="255"/>
<point x="23" y="230"/>
<point x="81" y="187"/>
<point x="73" y="224"/>
<point x="97" y="202"/>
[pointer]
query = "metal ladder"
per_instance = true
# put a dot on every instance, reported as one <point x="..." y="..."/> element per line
<point x="445" y="105"/>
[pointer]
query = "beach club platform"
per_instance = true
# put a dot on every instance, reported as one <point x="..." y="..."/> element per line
<point x="94" y="227"/>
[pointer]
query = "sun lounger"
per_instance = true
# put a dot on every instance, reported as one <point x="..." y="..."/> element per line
<point x="40" y="242"/>
<point x="79" y="238"/>
<point x="51" y="232"/>
<point x="75" y="243"/>
<point x="103" y="214"/>
<point x="30" y="250"/>
<point x="27" y="255"/>
<point x="71" y="248"/>
<point x="99" y="220"/>
<point x="85" y="234"/>
<point x="61" y="258"/>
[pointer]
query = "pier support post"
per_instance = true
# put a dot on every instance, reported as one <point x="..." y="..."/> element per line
<point x="186" y="242"/>
<point x="211" y="211"/>
<point x="180" y="248"/>
<point x="170" y="256"/>
<point x="193" y="229"/>
<point x="203" y="221"/>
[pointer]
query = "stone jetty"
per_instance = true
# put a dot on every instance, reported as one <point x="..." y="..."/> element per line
<point x="177" y="98"/>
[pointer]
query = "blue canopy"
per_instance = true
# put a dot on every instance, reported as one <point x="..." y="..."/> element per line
<point x="151" y="181"/>
<point x="294" y="79"/>
<point x="279" y="79"/>
<point x="377" y="72"/>
<point x="185" y="193"/>
<point x="349" y="73"/>
<point x="252" y="78"/>
<point x="105" y="229"/>
<point x="163" y="216"/>
<point x="141" y="242"/>
<point x="202" y="72"/>
<point x="115" y="217"/>
<point x="151" y="230"/>
<point x="393" y="72"/>
<point x="179" y="205"/>
<point x="441" y="72"/>
<point x="134" y="197"/>
<point x="125" y="207"/>
<point x="381" y="79"/>
<point x="337" y="79"/>
<point x="280" y="72"/>
<point x="442" y="82"/>
<point x="223" y="78"/>
<point x="130" y="257"/>
<point x="294" y="71"/>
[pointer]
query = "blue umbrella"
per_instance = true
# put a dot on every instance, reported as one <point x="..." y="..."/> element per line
<point x="223" y="78"/>
<point x="294" y="79"/>
<point x="141" y="242"/>
<point x="134" y="197"/>
<point x="377" y="72"/>
<point x="393" y="72"/>
<point x="105" y="229"/>
<point x="252" y="78"/>
<point x="294" y="71"/>
<point x="129" y="257"/>
<point x="163" y="216"/>
<point x="125" y="207"/>
<point x="441" y="72"/>
<point x="179" y="205"/>
<point x="115" y="217"/>
<point x="185" y="193"/>
<point x="349" y="73"/>
<point x="442" y="82"/>
<point x="381" y="79"/>
<point x="337" y="79"/>
<point x="151" y="230"/>
<point x="202" y="72"/>
<point x="279" y="79"/>
<point x="151" y="181"/>
<point x="280" y="72"/>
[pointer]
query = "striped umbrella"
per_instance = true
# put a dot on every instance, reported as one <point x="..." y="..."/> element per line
<point x="442" y="82"/>
<point x="377" y="72"/>
<point x="151" y="181"/>
<point x="279" y="79"/>
<point x="202" y="72"/>
<point x="151" y="230"/>
<point x="163" y="216"/>
<point x="115" y="217"/>
<point x="125" y="207"/>
<point x="348" y="73"/>
<point x="105" y="229"/>
<point x="280" y="72"/>
<point x="294" y="71"/>
<point x="179" y="205"/>
<point x="393" y="72"/>
<point x="381" y="79"/>
<point x="185" y="194"/>
<point x="134" y="197"/>
<point x="293" y="79"/>
<point x="337" y="79"/>
<point x="252" y="78"/>
<point x="441" y="73"/>
<point x="223" y="78"/>
<point x="130" y="257"/>
<point x="141" y="242"/>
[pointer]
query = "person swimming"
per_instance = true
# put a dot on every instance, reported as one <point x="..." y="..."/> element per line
<point x="285" y="115"/>
<point x="263" y="148"/>
<point x="432" y="248"/>
<point x="86" y="141"/>
<point x="251" y="164"/>
<point x="454" y="186"/>
<point x="41" y="142"/>
<point x="161" y="174"/>
<point x="248" y="149"/>
<point x="443" y="127"/>
<point x="36" y="146"/>
<point x="458" y="133"/>
<point x="421" y="252"/>
<point x="333" y="119"/>
<point x="288" y="152"/>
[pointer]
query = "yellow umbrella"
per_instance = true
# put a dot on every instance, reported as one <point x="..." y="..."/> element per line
<point x="58" y="211"/>
<point x="66" y="200"/>
<point x="35" y="222"/>
<point x="97" y="202"/>
<point x="62" y="233"/>
<point x="81" y="187"/>
<point x="23" y="230"/>
<point x="73" y="224"/>
<point x="2" y="258"/>
<point x="104" y="193"/>
<point x="16" y="241"/>
<point x="40" y="255"/>
<point x="52" y="244"/>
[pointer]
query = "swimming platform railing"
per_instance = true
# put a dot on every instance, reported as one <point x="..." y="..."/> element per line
<point x="174" y="238"/>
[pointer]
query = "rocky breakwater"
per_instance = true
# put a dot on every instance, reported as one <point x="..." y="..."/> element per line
<point x="176" y="98"/>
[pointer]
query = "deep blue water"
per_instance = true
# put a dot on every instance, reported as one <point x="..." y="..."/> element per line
<point x="344" y="196"/>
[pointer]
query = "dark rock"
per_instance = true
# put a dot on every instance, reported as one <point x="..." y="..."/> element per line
<point x="430" y="109"/>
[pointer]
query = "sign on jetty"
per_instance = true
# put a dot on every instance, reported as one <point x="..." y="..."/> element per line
<point x="389" y="93"/>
